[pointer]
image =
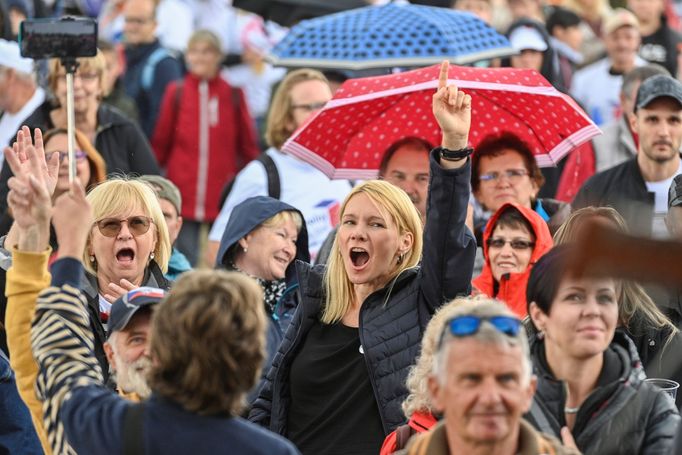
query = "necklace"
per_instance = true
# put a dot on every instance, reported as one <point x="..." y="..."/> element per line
<point x="568" y="410"/>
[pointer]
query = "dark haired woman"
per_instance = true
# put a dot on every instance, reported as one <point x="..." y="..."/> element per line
<point x="590" y="378"/>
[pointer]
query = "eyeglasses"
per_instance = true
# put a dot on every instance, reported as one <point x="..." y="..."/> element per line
<point x="513" y="175"/>
<point x="311" y="107"/>
<point x="464" y="326"/>
<point x="138" y="225"/>
<point x="79" y="155"/>
<point x="87" y="77"/>
<point x="516" y="244"/>
<point x="137" y="20"/>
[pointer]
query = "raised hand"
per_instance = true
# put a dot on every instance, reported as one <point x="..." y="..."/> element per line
<point x="72" y="221"/>
<point x="28" y="158"/>
<point x="117" y="290"/>
<point x="30" y="202"/>
<point x="452" y="109"/>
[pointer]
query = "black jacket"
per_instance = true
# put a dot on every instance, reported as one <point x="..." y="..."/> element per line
<point x="392" y="319"/>
<point x="120" y="142"/>
<point x="153" y="277"/>
<point x="622" y="416"/>
<point x="246" y="217"/>
<point x="623" y="188"/>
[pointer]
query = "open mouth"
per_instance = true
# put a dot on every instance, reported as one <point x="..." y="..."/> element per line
<point x="359" y="257"/>
<point x="125" y="255"/>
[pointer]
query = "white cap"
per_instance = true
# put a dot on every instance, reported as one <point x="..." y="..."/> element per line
<point x="526" y="37"/>
<point x="10" y="56"/>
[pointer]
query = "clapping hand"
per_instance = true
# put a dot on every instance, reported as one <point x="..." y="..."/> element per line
<point x="452" y="109"/>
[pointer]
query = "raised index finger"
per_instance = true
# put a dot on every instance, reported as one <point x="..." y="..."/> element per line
<point x="443" y="77"/>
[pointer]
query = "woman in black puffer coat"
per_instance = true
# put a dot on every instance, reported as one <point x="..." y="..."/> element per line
<point x="590" y="378"/>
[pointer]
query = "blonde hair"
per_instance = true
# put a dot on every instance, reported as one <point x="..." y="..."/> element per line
<point x="395" y="205"/>
<point x="633" y="301"/>
<point x="208" y="307"/>
<point x="285" y="215"/>
<point x="280" y="115"/>
<point x="97" y="64"/>
<point x="119" y="195"/>
<point x="205" y="36"/>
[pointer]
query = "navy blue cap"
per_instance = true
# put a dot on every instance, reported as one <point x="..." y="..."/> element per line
<point x="125" y="307"/>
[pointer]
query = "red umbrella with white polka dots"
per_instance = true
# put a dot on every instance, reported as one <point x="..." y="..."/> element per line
<point x="347" y="138"/>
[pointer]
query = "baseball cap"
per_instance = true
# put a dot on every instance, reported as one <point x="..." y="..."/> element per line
<point x="657" y="87"/>
<point x="10" y="57"/>
<point x="620" y="18"/>
<point x="125" y="307"/>
<point x="165" y="189"/>
<point x="675" y="192"/>
<point x="525" y="37"/>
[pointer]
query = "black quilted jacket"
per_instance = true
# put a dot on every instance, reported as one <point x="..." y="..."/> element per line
<point x="392" y="320"/>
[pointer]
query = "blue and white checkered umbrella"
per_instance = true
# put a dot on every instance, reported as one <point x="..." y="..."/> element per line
<point x="393" y="35"/>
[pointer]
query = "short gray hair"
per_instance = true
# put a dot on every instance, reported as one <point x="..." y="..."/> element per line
<point x="482" y="307"/>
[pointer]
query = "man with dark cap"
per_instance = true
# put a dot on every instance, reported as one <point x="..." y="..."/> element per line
<point x="638" y="188"/>
<point x="127" y="347"/>
<point x="171" y="206"/>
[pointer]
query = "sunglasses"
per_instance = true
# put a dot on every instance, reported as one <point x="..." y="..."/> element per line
<point x="138" y="225"/>
<point x="464" y="326"/>
<point x="516" y="244"/>
<point x="78" y="154"/>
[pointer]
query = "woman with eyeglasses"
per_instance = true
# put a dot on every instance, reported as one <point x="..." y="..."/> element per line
<point x="504" y="169"/>
<point x="514" y="239"/>
<point x="338" y="380"/>
<point x="128" y="247"/>
<point x="120" y="142"/>
<point x="590" y="378"/>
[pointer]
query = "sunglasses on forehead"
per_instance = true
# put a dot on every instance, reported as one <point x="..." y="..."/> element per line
<point x="464" y="326"/>
<point x="137" y="225"/>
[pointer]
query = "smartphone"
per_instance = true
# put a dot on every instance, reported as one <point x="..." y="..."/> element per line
<point x="66" y="37"/>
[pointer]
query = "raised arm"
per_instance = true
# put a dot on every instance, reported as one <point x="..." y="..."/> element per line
<point x="29" y="199"/>
<point x="449" y="246"/>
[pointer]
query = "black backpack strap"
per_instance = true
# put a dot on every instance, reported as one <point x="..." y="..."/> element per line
<point x="402" y="435"/>
<point x="274" y="187"/>
<point x="271" y="174"/>
<point x="133" y="430"/>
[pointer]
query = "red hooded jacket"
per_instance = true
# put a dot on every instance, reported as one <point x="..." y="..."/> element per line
<point x="512" y="287"/>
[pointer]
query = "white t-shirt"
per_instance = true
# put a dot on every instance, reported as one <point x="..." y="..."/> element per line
<point x="10" y="123"/>
<point x="302" y="186"/>
<point x="660" y="190"/>
<point x="597" y="90"/>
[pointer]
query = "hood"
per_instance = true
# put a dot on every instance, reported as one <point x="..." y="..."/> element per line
<point x="513" y="288"/>
<point x="250" y="214"/>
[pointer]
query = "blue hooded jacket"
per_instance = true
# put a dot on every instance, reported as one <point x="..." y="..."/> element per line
<point x="246" y="217"/>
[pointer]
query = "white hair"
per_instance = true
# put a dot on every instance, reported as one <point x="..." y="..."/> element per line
<point x="487" y="333"/>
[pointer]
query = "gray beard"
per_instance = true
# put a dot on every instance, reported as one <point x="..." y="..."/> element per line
<point x="132" y="378"/>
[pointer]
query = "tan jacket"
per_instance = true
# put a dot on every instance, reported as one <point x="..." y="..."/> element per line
<point x="531" y="442"/>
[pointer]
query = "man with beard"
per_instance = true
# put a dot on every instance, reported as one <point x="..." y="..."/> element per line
<point x="638" y="188"/>
<point x="127" y="348"/>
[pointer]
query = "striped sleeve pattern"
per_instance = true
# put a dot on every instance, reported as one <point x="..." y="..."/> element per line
<point x="63" y="346"/>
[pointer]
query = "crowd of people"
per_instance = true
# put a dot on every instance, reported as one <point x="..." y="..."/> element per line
<point x="197" y="289"/>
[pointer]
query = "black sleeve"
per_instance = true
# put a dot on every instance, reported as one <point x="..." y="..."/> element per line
<point x="449" y="247"/>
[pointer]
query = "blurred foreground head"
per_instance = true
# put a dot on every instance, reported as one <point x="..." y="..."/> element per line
<point x="208" y="342"/>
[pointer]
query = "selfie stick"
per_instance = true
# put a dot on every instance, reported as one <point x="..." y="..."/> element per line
<point x="70" y="65"/>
